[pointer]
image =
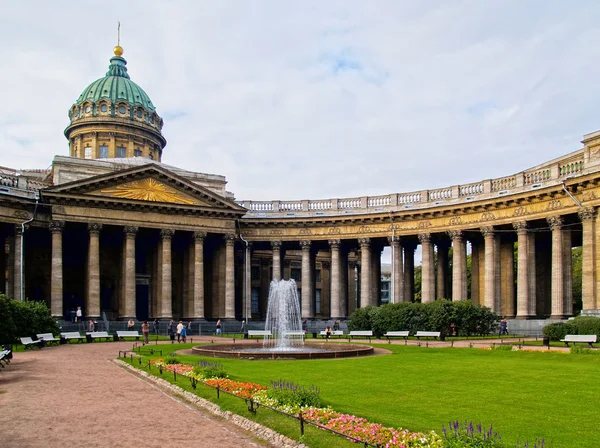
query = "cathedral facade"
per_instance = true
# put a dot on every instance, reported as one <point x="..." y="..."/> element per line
<point x="112" y="229"/>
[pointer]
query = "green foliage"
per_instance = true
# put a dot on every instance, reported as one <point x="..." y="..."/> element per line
<point x="207" y="369"/>
<point x="502" y="347"/>
<point x="290" y="394"/>
<point x="171" y="358"/>
<point x="579" y="325"/>
<point x="469" y="318"/>
<point x="19" y="319"/>
<point x="556" y="331"/>
<point x="575" y="350"/>
<point x="467" y="435"/>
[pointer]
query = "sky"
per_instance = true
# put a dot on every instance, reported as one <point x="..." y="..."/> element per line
<point x="313" y="99"/>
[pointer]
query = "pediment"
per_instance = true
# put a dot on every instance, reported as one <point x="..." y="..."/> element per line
<point x="149" y="185"/>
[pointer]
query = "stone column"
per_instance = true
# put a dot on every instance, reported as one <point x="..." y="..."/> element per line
<point x="56" y="276"/>
<point x="588" y="262"/>
<point x="127" y="308"/>
<point x="490" y="291"/>
<point x="198" y="293"/>
<point x="458" y="266"/>
<point x="568" y="271"/>
<point x="397" y="270"/>
<point x="507" y="279"/>
<point x="427" y="269"/>
<point x="307" y="283"/>
<point x="336" y="280"/>
<point x="409" y="270"/>
<point x="92" y="307"/>
<point x="344" y="279"/>
<point x="166" y="290"/>
<point x="366" y="294"/>
<point x="523" y="298"/>
<point x="229" y="277"/>
<point x="442" y="267"/>
<point x="276" y="245"/>
<point x="19" y="270"/>
<point x="557" y="280"/>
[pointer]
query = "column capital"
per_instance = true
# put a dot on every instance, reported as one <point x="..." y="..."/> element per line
<point x="424" y="238"/>
<point x="456" y="235"/>
<point x="167" y="234"/>
<point x="334" y="244"/>
<point x="229" y="238"/>
<point x="305" y="244"/>
<point x="199" y="235"/>
<point x="520" y="226"/>
<point x="587" y="213"/>
<point x="130" y="231"/>
<point x="555" y="222"/>
<point x="364" y="242"/>
<point x="94" y="228"/>
<point x="276" y="245"/>
<point x="487" y="231"/>
<point x="56" y="226"/>
<point x="394" y="240"/>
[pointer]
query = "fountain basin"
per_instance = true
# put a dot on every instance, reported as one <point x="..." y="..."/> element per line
<point x="308" y="351"/>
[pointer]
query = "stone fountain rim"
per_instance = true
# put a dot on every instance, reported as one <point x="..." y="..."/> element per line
<point x="340" y="351"/>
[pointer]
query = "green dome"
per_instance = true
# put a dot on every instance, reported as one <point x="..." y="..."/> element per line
<point x="116" y="87"/>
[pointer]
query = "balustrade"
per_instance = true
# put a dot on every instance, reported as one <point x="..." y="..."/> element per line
<point x="444" y="193"/>
<point x="536" y="176"/>
<point x="467" y="190"/>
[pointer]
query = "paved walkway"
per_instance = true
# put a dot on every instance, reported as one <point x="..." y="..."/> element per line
<point x="73" y="395"/>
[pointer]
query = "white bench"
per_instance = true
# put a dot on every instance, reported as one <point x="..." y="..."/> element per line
<point x="427" y="334"/>
<point x="128" y="334"/>
<point x="48" y="338"/>
<point x="99" y="335"/>
<point x="360" y="334"/>
<point x="338" y="333"/>
<point x="589" y="338"/>
<point x="30" y="343"/>
<point x="72" y="336"/>
<point x="396" y="334"/>
<point x="5" y="356"/>
<point x="294" y="333"/>
<point x="259" y="333"/>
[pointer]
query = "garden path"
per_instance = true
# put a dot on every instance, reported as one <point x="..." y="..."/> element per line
<point x="73" y="395"/>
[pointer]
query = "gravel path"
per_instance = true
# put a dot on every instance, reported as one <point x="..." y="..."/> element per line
<point x="74" y="395"/>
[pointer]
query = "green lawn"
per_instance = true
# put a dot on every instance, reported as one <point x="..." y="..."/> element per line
<point x="524" y="395"/>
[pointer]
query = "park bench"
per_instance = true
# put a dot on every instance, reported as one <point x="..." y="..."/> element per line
<point x="128" y="334"/>
<point x="71" y="336"/>
<point x="93" y="335"/>
<point x="396" y="334"/>
<point x="30" y="343"/>
<point x="262" y="333"/>
<point x="338" y="333"/>
<point x="589" y="338"/>
<point x="427" y="334"/>
<point x="5" y="356"/>
<point x="294" y="333"/>
<point x="360" y="334"/>
<point x="48" y="338"/>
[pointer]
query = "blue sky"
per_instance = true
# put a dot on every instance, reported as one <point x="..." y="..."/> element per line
<point x="316" y="99"/>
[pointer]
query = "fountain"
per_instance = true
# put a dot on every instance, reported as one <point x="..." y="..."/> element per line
<point x="285" y="337"/>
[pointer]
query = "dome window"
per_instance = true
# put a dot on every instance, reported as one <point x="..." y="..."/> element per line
<point x="152" y="119"/>
<point x="104" y="108"/>
<point x="88" y="109"/>
<point x="139" y="113"/>
<point x="122" y="110"/>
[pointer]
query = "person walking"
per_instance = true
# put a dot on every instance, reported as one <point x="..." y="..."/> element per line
<point x="218" y="330"/>
<point x="145" y="331"/>
<point x="78" y="314"/>
<point x="91" y="325"/>
<point x="179" y="328"/>
<point x="183" y="333"/>
<point x="171" y="331"/>
<point x="155" y="326"/>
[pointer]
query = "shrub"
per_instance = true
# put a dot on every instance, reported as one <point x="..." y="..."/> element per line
<point x="290" y="394"/>
<point x="171" y="358"/>
<point x="585" y="325"/>
<point x="18" y="319"/>
<point x="361" y="319"/>
<point x="556" y="331"/>
<point x="206" y="370"/>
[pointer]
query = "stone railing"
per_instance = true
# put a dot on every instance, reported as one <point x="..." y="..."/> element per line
<point x="551" y="173"/>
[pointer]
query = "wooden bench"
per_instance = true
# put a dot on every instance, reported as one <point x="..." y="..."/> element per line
<point x="589" y="338"/>
<point x="396" y="334"/>
<point x="128" y="334"/>
<point x="30" y="343"/>
<point x="338" y="333"/>
<point x="427" y="334"/>
<point x="360" y="334"/>
<point x="262" y="333"/>
<point x="99" y="335"/>
<point x="72" y="336"/>
<point x="48" y="338"/>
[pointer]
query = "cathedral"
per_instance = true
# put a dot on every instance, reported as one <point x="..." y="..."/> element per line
<point x="113" y="230"/>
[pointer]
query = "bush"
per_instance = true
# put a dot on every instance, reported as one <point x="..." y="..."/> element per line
<point x="18" y="319"/>
<point x="585" y="325"/>
<point x="556" y="331"/>
<point x="171" y="358"/>
<point x="290" y="394"/>
<point x="361" y="319"/>
<point x="207" y="370"/>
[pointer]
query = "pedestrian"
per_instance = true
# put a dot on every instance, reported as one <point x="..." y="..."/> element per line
<point x="327" y="333"/>
<point x="155" y="325"/>
<point x="78" y="314"/>
<point x="91" y="325"/>
<point x="130" y="325"/>
<point x="503" y="327"/>
<point x="305" y="326"/>
<point x="188" y="329"/>
<point x="218" y="330"/>
<point x="171" y="331"/>
<point x="243" y="327"/>
<point x="179" y="328"/>
<point x="183" y="333"/>
<point x="145" y="331"/>
<point x="336" y="325"/>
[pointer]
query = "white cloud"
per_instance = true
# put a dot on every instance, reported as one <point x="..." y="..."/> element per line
<point x="316" y="99"/>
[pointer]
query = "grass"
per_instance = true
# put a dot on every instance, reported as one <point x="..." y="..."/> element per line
<point x="524" y="395"/>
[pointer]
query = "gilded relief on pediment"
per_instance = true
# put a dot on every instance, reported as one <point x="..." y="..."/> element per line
<point x="148" y="189"/>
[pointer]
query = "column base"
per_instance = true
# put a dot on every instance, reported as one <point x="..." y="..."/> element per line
<point x="558" y="317"/>
<point x="531" y="316"/>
